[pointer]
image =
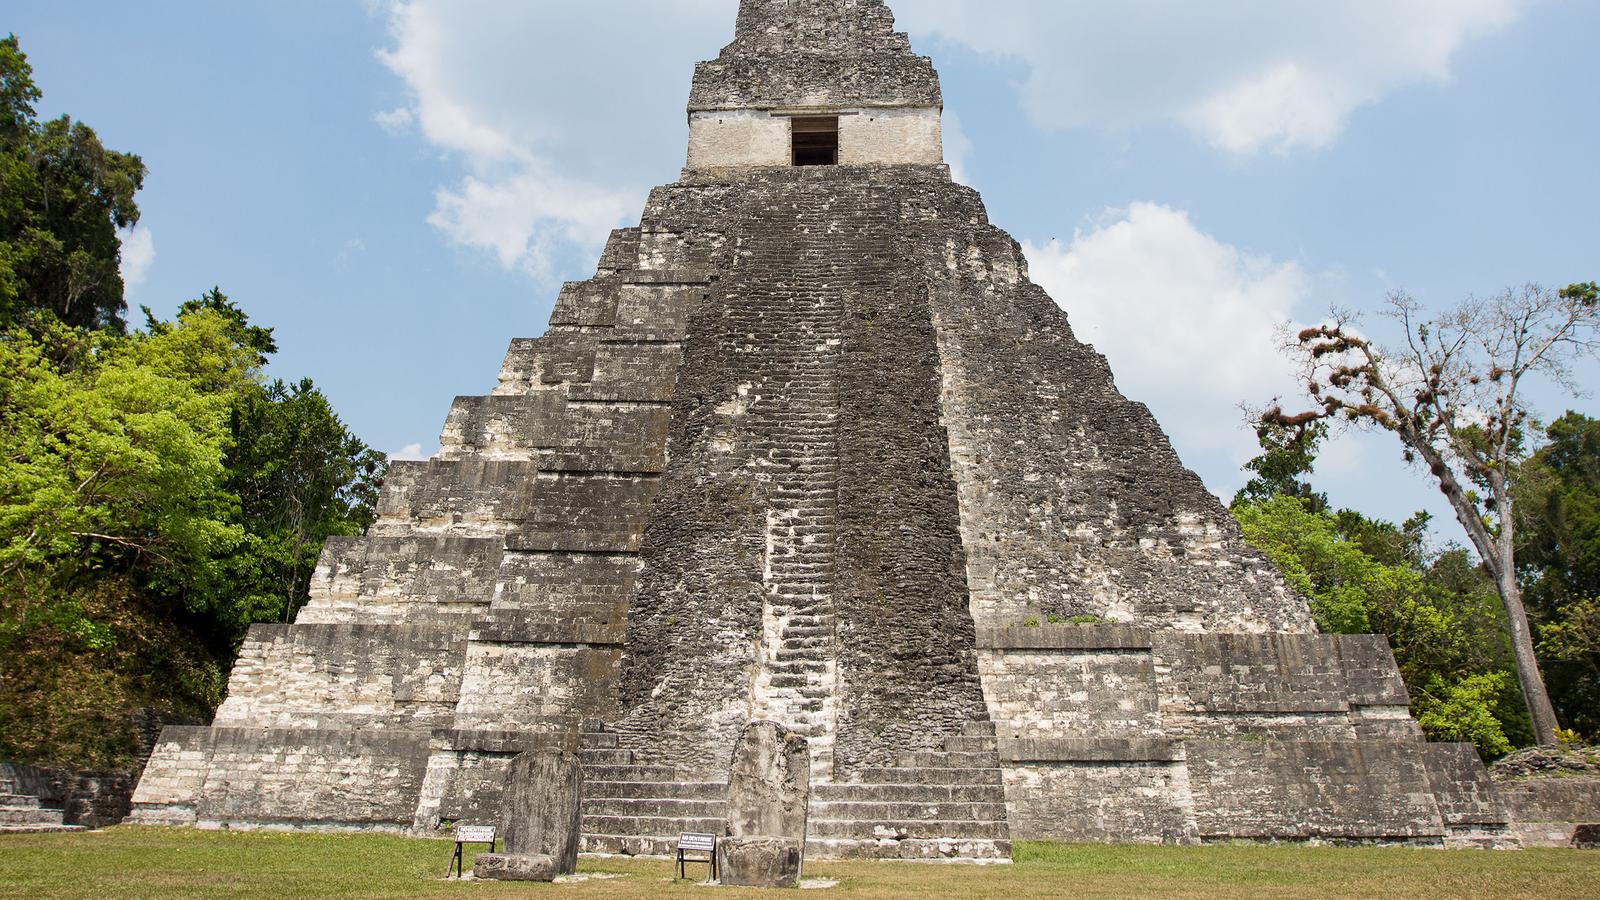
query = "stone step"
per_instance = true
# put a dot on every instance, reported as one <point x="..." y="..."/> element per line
<point x="978" y="729"/>
<point x="902" y="829"/>
<point x="656" y="790"/>
<point x="937" y="759"/>
<point x="595" y="740"/>
<point x="898" y="775"/>
<point x="909" y="793"/>
<point x="629" y="773"/>
<point x="19" y="801"/>
<point x="646" y="825"/>
<point x="40" y="829"/>
<point x="612" y="757"/>
<point x="890" y="811"/>
<point x="975" y="849"/>
<point x="34" y="816"/>
<point x="969" y="744"/>
<point x="628" y="807"/>
<point x="789" y="681"/>
<point x="797" y="667"/>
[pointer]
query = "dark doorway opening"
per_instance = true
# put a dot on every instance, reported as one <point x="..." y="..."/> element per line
<point x="816" y="140"/>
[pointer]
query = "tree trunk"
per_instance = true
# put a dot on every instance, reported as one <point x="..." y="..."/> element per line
<point x="1497" y="552"/>
<point x="1540" y="711"/>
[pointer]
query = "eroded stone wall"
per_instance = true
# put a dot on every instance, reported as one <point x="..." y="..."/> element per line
<point x="828" y="54"/>
<point x="1073" y="503"/>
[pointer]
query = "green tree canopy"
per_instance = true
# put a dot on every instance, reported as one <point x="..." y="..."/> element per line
<point x="63" y="198"/>
<point x="157" y="496"/>
<point x="1558" y="550"/>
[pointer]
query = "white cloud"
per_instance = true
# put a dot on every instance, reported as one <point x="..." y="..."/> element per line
<point x="410" y="453"/>
<point x="557" y="112"/>
<point x="1244" y="75"/>
<point x="397" y="121"/>
<point x="1187" y="321"/>
<point x="138" y="255"/>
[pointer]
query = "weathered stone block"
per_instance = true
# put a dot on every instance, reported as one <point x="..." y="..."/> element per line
<point x="769" y="786"/>
<point x="769" y="862"/>
<point x="543" y="808"/>
<point x="1336" y="790"/>
<point x="1078" y="802"/>
<point x="515" y="867"/>
<point x="769" y="793"/>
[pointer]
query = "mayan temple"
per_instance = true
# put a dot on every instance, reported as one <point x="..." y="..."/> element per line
<point x="810" y="447"/>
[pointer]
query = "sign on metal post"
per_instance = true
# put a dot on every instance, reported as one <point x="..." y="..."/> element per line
<point x="469" y="834"/>
<point x="697" y="848"/>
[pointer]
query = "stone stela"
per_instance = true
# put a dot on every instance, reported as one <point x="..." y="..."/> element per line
<point x="812" y="448"/>
<point x="769" y="793"/>
<point x="541" y="819"/>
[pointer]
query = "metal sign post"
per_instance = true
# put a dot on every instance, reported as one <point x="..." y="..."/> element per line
<point x="469" y="834"/>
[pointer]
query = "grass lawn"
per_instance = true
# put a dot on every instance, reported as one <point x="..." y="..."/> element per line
<point x="146" y="862"/>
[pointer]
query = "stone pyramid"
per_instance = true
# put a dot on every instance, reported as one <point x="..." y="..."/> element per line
<point x="811" y="447"/>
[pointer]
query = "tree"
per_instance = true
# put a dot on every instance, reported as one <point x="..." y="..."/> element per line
<point x="1558" y="549"/>
<point x="301" y="478"/>
<point x="63" y="199"/>
<point x="157" y="497"/>
<point x="1288" y="456"/>
<point x="1453" y="396"/>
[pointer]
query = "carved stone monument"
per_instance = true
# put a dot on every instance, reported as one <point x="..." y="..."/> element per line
<point x="541" y="821"/>
<point x="769" y="792"/>
<point x="811" y="446"/>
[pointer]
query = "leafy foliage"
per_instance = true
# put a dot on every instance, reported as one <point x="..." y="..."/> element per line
<point x="1558" y="551"/>
<point x="1439" y="609"/>
<point x="1289" y="455"/>
<point x="157" y="496"/>
<point x="1464" y="712"/>
<point x="63" y="198"/>
<point x="1452" y="395"/>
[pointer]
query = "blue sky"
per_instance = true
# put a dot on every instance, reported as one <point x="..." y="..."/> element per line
<point x="399" y="186"/>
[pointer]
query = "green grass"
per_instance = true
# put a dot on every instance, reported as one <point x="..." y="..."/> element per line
<point x="145" y="862"/>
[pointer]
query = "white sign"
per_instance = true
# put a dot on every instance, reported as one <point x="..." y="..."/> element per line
<point x="475" y="834"/>
<point x="697" y="842"/>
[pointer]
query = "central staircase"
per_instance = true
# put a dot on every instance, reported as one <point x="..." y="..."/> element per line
<point x="945" y="804"/>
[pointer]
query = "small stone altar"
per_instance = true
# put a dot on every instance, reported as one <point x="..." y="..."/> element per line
<point x="769" y="791"/>
<point x="541" y="819"/>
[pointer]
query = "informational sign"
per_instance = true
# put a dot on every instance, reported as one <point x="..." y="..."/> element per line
<point x="469" y="834"/>
<point x="691" y="846"/>
<point x="699" y="843"/>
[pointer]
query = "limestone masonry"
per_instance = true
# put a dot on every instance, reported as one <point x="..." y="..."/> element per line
<point x="811" y="448"/>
